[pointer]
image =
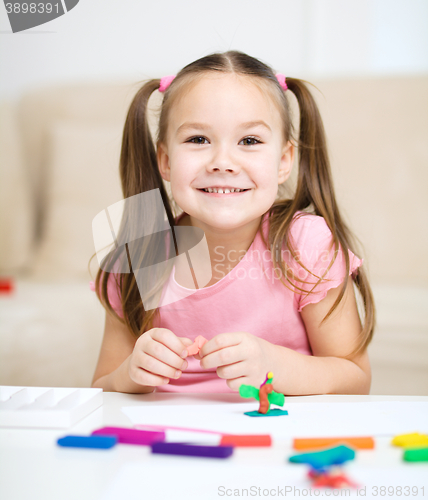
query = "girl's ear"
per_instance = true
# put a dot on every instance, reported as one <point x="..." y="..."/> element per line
<point x="286" y="162"/>
<point x="163" y="162"/>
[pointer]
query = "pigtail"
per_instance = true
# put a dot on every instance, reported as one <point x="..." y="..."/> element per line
<point x="315" y="185"/>
<point x="139" y="173"/>
<point x="315" y="192"/>
<point x="138" y="163"/>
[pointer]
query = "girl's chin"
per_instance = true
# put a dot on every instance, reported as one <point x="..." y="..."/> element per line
<point x="226" y="222"/>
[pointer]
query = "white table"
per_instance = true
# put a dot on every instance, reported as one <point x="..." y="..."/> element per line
<point x="33" y="467"/>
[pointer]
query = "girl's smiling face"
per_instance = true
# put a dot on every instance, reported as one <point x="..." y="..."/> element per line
<point x="224" y="133"/>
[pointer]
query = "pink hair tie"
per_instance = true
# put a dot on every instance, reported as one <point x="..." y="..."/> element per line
<point x="281" y="80"/>
<point x="165" y="82"/>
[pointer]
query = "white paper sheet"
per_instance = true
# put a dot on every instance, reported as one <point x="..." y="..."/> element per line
<point x="184" y="478"/>
<point x="303" y="420"/>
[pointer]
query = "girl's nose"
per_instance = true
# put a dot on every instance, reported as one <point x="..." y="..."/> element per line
<point x="222" y="161"/>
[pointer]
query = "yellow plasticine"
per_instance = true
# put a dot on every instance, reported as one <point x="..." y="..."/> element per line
<point x="410" y="440"/>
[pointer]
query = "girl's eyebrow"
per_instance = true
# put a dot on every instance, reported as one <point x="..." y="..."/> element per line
<point x="203" y="126"/>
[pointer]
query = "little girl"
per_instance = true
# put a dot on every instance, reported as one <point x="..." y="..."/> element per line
<point x="281" y="297"/>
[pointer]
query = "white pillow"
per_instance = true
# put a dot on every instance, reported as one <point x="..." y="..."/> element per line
<point x="16" y="204"/>
<point x="83" y="173"/>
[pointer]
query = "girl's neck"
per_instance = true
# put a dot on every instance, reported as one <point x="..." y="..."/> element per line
<point x="226" y="248"/>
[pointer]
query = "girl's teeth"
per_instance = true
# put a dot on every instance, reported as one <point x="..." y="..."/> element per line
<point x="221" y="191"/>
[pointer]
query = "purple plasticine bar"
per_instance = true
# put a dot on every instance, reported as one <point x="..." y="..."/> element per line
<point x="131" y="436"/>
<point x="192" y="450"/>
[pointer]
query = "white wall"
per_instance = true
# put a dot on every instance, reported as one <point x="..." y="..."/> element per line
<point x="121" y="39"/>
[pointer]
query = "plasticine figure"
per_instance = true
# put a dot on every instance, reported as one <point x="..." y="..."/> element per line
<point x="265" y="395"/>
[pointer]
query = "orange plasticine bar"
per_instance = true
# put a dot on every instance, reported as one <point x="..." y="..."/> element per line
<point x="246" y="440"/>
<point x="359" y="443"/>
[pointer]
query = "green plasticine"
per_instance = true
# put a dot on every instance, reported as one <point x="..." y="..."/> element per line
<point x="248" y="391"/>
<point x="276" y="398"/>
<point x="416" y="455"/>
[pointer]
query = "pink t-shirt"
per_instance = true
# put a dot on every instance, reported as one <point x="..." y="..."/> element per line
<point x="251" y="298"/>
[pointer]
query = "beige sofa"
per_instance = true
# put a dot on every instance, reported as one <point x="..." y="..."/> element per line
<point x="59" y="157"/>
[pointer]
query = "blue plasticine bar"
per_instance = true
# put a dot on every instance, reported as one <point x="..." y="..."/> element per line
<point x="192" y="450"/>
<point x="337" y="455"/>
<point x="102" y="442"/>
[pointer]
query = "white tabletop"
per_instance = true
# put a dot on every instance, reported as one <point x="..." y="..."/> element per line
<point x="33" y="466"/>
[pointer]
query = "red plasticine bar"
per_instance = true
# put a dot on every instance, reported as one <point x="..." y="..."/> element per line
<point x="241" y="440"/>
<point x="131" y="436"/>
<point x="6" y="285"/>
<point x="358" y="443"/>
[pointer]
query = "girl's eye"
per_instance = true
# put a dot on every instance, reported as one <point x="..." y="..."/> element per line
<point x="247" y="139"/>
<point x="193" y="139"/>
<point x="251" y="139"/>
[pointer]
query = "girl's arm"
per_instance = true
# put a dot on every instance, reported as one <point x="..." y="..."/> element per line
<point x="327" y="371"/>
<point x="138" y="365"/>
<point x="112" y="371"/>
<point x="242" y="358"/>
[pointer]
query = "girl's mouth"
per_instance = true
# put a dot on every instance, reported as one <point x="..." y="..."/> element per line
<point x="223" y="191"/>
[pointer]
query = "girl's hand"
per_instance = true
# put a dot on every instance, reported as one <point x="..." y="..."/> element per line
<point x="240" y="358"/>
<point x="158" y="356"/>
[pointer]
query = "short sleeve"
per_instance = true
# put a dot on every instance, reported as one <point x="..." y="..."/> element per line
<point x="312" y="239"/>
<point x="113" y="293"/>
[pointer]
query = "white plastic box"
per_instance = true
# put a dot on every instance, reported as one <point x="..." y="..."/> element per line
<point x="48" y="407"/>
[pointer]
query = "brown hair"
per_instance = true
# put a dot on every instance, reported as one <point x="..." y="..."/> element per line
<point x="314" y="192"/>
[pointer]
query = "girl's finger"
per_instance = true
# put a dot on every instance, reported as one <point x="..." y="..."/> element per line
<point x="157" y="367"/>
<point x="236" y="383"/>
<point x="143" y="377"/>
<point x="163" y="354"/>
<point x="221" y="341"/>
<point x="186" y="341"/>
<point x="230" y="372"/>
<point x="223" y="357"/>
<point x="170" y="340"/>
